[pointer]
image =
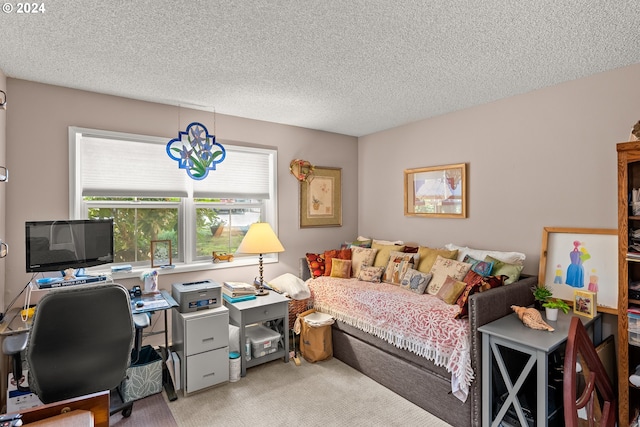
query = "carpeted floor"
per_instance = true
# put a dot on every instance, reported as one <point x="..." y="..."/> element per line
<point x="150" y="411"/>
<point x="327" y="393"/>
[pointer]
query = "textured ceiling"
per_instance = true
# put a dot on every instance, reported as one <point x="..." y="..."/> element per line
<point x="351" y="66"/>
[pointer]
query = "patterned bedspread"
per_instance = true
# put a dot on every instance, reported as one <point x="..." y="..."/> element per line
<point x="422" y="324"/>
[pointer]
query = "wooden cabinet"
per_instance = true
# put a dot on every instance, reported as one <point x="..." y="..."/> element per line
<point x="201" y="339"/>
<point x="628" y="274"/>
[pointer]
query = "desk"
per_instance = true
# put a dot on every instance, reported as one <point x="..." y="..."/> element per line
<point x="510" y="332"/>
<point x="271" y="307"/>
<point x="163" y="301"/>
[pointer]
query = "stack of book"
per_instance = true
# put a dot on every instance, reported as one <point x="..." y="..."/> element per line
<point x="238" y="291"/>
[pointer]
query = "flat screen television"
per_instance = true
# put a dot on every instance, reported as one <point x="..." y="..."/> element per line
<point x="58" y="245"/>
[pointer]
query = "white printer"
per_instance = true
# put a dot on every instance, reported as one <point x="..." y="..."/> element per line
<point x="194" y="296"/>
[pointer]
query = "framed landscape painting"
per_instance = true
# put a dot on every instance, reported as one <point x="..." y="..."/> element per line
<point x="436" y="191"/>
<point x="581" y="259"/>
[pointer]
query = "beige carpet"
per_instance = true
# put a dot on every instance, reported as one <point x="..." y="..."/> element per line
<point x="150" y="411"/>
<point x="327" y="393"/>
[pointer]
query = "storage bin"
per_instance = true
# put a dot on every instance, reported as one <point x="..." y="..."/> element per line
<point x="634" y="329"/>
<point x="263" y="340"/>
<point x="144" y="376"/>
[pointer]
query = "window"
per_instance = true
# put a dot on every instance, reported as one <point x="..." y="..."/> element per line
<point x="131" y="178"/>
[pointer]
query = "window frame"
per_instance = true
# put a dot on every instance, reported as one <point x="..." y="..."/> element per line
<point x="187" y="239"/>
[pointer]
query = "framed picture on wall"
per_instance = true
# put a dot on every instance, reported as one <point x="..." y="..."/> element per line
<point x="321" y="198"/>
<point x="436" y="191"/>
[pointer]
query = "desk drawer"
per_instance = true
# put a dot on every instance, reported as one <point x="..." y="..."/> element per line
<point x="267" y="312"/>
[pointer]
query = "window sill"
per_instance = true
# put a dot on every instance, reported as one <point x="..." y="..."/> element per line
<point x="179" y="268"/>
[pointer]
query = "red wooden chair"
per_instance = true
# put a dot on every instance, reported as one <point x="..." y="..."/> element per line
<point x="588" y="388"/>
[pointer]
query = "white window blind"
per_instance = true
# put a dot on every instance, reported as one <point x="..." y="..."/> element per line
<point x="120" y="165"/>
<point x="125" y="168"/>
<point x="244" y="174"/>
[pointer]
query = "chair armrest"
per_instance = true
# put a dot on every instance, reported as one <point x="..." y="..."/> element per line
<point x="14" y="344"/>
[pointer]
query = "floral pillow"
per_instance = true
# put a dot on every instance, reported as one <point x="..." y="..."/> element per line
<point x="335" y="253"/>
<point x="483" y="268"/>
<point x="316" y="264"/>
<point x="370" y="273"/>
<point x="397" y="267"/>
<point x="360" y="257"/>
<point x="415" y="281"/>
<point x="444" y="267"/>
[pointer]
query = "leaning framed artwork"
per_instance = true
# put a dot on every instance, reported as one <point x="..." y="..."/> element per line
<point x="321" y="198"/>
<point x="581" y="259"/>
<point x="436" y="191"/>
<point x="160" y="253"/>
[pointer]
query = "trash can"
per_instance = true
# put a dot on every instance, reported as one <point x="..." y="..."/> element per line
<point x="144" y="376"/>
<point x="315" y="335"/>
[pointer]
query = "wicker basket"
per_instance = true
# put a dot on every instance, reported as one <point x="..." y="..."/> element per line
<point x="296" y="307"/>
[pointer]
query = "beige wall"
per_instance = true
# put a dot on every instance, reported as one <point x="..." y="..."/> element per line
<point x="37" y="153"/>
<point x="542" y="159"/>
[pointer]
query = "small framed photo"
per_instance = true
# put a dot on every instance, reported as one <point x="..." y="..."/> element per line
<point x="584" y="303"/>
<point x="160" y="253"/>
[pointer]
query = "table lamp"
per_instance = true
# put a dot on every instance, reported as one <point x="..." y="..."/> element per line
<point x="260" y="239"/>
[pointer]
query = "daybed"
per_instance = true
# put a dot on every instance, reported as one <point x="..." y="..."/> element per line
<point x="399" y="367"/>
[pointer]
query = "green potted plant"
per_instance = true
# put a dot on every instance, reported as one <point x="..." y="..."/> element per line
<point x="552" y="305"/>
<point x="541" y="293"/>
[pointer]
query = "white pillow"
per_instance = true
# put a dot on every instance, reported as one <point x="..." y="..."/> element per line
<point x="479" y="254"/>
<point x="291" y="285"/>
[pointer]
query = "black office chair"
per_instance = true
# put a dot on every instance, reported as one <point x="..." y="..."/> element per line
<point x="80" y="342"/>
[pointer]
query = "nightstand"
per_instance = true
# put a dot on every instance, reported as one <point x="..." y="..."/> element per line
<point x="272" y="308"/>
<point x="506" y="339"/>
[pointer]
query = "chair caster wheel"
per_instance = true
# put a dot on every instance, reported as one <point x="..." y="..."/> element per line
<point x="126" y="412"/>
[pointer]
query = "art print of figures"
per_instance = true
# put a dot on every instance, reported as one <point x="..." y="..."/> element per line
<point x="575" y="271"/>
<point x="581" y="260"/>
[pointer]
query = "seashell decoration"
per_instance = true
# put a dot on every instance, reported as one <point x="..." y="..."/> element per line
<point x="531" y="318"/>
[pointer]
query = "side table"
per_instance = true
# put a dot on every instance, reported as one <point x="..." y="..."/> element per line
<point x="272" y="307"/>
<point x="509" y="332"/>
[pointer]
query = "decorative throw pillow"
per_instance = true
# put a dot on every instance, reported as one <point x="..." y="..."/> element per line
<point x="483" y="268"/>
<point x="382" y="257"/>
<point x="428" y="256"/>
<point x="508" y="257"/>
<point x="316" y="264"/>
<point x="502" y="268"/>
<point x="475" y="283"/>
<point x="397" y="267"/>
<point x="356" y="244"/>
<point x="370" y="273"/>
<point x="415" y="281"/>
<point x="411" y="249"/>
<point x="444" y="267"/>
<point x="491" y="282"/>
<point x="341" y="268"/>
<point x="451" y="290"/>
<point x="414" y="255"/>
<point x="335" y="253"/>
<point x="360" y="257"/>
